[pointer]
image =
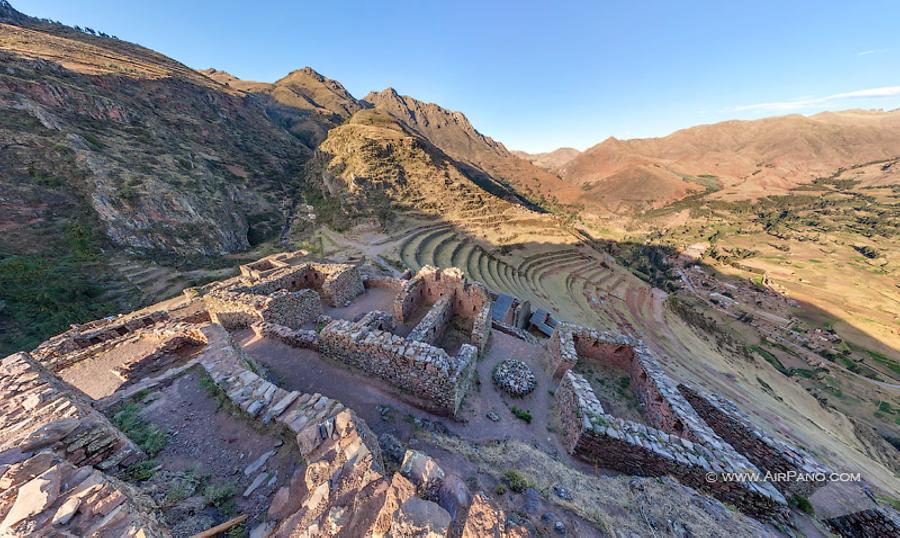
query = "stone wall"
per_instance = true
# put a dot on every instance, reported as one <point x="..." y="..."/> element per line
<point x="435" y="379"/>
<point x="593" y="435"/>
<point x="299" y="338"/>
<point x="312" y="418"/>
<point x="238" y="308"/>
<point x="469" y="300"/>
<point x="338" y="284"/>
<point x="91" y="335"/>
<point x="41" y="412"/>
<point x="873" y="523"/>
<point x="384" y="282"/>
<point x="764" y="451"/>
<point x="664" y="406"/>
<point x="172" y="334"/>
<point x="432" y="326"/>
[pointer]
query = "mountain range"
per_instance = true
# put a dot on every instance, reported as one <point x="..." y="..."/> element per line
<point x="738" y="159"/>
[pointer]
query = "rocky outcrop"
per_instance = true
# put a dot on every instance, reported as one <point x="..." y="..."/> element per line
<point x="46" y="494"/>
<point x="39" y="412"/>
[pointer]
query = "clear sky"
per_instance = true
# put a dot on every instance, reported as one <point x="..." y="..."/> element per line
<point x="539" y="75"/>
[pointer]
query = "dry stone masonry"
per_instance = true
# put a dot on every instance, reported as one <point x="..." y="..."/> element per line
<point x="765" y="452"/>
<point x="40" y="412"/>
<point x="469" y="300"/>
<point x="514" y="377"/>
<point x="678" y="442"/>
<point x="60" y="454"/>
<point x="435" y="379"/>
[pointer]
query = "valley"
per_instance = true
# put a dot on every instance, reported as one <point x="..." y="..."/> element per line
<point x="756" y="260"/>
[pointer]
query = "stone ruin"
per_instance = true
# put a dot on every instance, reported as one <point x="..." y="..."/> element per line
<point x="291" y="295"/>
<point x="426" y="374"/>
<point x="676" y="442"/>
<point x="60" y="455"/>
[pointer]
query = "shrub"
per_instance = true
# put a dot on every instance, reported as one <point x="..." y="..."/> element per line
<point x="516" y="481"/>
<point x="803" y="504"/>
<point x="220" y="496"/>
<point x="140" y="471"/>
<point x="145" y="435"/>
<point x="522" y="414"/>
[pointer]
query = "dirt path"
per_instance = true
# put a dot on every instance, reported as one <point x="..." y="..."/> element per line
<point x="210" y="444"/>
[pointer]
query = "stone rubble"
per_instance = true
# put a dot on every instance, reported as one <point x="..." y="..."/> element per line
<point x="514" y="377"/>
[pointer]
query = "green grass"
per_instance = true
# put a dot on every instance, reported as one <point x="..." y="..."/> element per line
<point x="771" y="359"/>
<point x="140" y="471"/>
<point x="803" y="504"/>
<point x="516" y="481"/>
<point x="522" y="414"/>
<point x="803" y="372"/>
<point x="884" y="360"/>
<point x="221" y="497"/>
<point x="148" y="437"/>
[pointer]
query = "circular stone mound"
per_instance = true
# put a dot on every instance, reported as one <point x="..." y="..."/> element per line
<point x="514" y="377"/>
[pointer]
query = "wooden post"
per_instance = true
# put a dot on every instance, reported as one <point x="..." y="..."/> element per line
<point x="233" y="522"/>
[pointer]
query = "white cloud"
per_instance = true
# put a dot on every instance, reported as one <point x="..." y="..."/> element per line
<point x="873" y="51"/>
<point x="809" y="102"/>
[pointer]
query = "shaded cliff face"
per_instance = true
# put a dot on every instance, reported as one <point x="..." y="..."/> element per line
<point x="166" y="159"/>
<point x="109" y="150"/>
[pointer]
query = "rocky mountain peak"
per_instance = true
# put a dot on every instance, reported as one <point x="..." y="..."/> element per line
<point x="9" y="13"/>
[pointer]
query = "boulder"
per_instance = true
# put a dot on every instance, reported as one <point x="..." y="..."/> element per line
<point x="453" y="495"/>
<point x="422" y="470"/>
<point x="399" y="492"/>
<point x="420" y="519"/>
<point x="484" y="519"/>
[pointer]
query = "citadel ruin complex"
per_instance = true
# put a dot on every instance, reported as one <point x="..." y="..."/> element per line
<point x="421" y="337"/>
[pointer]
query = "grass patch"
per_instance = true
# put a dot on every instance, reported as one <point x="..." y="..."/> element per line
<point x="522" y="414"/>
<point x="771" y="359"/>
<point x="803" y="372"/>
<point x="145" y="435"/>
<point x="516" y="481"/>
<point x="221" y="497"/>
<point x="214" y="390"/>
<point x="803" y="504"/>
<point x="140" y="471"/>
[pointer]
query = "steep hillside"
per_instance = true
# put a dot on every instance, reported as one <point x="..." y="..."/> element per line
<point x="483" y="156"/>
<point x="551" y="160"/>
<point x="739" y="159"/>
<point x="107" y="148"/>
<point x="304" y="102"/>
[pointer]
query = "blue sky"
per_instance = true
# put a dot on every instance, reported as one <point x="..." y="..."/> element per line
<point x="535" y="75"/>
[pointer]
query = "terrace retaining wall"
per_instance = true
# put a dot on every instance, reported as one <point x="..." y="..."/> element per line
<point x="873" y="523"/>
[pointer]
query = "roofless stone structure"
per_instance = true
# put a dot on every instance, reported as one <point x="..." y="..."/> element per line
<point x="421" y="339"/>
